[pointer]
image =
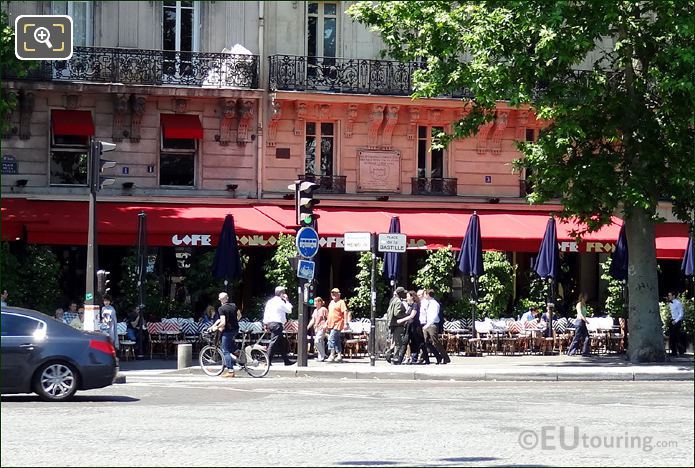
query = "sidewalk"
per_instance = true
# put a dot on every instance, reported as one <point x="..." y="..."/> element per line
<point x="499" y="368"/>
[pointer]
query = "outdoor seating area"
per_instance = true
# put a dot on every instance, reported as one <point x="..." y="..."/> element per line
<point x="492" y="337"/>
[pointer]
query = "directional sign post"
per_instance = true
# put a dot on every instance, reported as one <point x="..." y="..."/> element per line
<point x="307" y="242"/>
<point x="357" y="241"/>
<point x="306" y="269"/>
<point x="391" y="242"/>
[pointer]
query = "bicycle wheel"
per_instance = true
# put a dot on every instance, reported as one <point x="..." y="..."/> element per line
<point x="211" y="360"/>
<point x="258" y="365"/>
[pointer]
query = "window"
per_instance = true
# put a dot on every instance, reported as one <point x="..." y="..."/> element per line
<point x="17" y="325"/>
<point x="179" y="34"/>
<point x="321" y="164"/>
<point x="82" y="20"/>
<point x="177" y="162"/>
<point x="69" y="158"/>
<point x="430" y="162"/>
<point x="322" y="29"/>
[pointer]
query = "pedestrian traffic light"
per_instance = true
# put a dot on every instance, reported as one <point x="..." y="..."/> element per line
<point x="103" y="282"/>
<point x="96" y="149"/>
<point x="305" y="203"/>
<point x="310" y="293"/>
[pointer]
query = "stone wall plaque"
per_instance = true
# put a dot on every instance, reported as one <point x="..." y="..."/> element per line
<point x="379" y="171"/>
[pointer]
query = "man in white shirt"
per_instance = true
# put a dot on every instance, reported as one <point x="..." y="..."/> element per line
<point x="274" y="318"/>
<point x="423" y="306"/>
<point x="675" y="334"/>
<point x="430" y="329"/>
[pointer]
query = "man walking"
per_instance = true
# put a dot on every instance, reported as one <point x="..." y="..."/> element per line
<point x="430" y="328"/>
<point x="338" y="317"/>
<point x="396" y="311"/>
<point x="274" y="318"/>
<point x="675" y="338"/>
<point x="228" y="324"/>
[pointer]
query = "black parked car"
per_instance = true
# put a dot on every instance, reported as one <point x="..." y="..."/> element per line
<point x="43" y="355"/>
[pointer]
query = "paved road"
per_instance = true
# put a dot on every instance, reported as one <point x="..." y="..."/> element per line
<point x="193" y="420"/>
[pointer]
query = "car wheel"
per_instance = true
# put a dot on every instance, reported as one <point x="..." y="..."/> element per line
<point x="55" y="381"/>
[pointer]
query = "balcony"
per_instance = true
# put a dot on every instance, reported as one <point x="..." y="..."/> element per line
<point x="151" y="67"/>
<point x="327" y="184"/>
<point x="434" y="186"/>
<point x="330" y="74"/>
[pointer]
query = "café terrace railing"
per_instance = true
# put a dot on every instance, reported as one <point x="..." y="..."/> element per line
<point x="150" y="67"/>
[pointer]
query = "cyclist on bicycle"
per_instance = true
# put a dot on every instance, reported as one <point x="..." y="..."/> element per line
<point x="228" y="324"/>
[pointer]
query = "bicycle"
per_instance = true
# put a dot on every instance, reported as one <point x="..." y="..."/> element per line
<point x="252" y="358"/>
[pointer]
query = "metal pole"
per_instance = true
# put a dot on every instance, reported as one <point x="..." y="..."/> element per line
<point x="372" y="326"/>
<point x="302" y="357"/>
<point x="474" y="301"/>
<point x="91" y="306"/>
<point x="142" y="272"/>
<point x="551" y="300"/>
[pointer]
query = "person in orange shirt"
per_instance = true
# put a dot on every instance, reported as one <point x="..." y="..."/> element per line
<point x="338" y="318"/>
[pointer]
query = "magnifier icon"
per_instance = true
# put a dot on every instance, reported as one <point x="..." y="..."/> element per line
<point x="43" y="36"/>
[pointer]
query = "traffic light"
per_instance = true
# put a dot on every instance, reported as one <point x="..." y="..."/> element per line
<point x="305" y="202"/>
<point x="310" y="293"/>
<point x="96" y="149"/>
<point x="103" y="282"/>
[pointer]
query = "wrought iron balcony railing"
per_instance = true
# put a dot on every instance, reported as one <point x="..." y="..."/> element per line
<point x="151" y="67"/>
<point x="327" y="184"/>
<point x="435" y="186"/>
<point x="360" y="76"/>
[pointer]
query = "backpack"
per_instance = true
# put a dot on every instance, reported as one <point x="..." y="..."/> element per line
<point x="440" y="324"/>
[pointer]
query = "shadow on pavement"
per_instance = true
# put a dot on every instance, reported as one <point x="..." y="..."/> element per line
<point x="468" y="459"/>
<point x="75" y="399"/>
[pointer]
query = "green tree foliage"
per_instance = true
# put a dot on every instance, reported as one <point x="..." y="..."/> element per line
<point x="496" y="285"/>
<point x="619" y="134"/>
<point x="615" y="303"/>
<point x="360" y="303"/>
<point x="278" y="271"/>
<point x="203" y="287"/>
<point x="9" y="65"/>
<point x="437" y="271"/>
<point x="32" y="279"/>
<point x="129" y="298"/>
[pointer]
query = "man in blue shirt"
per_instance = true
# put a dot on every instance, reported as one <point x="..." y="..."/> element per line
<point x="675" y="334"/>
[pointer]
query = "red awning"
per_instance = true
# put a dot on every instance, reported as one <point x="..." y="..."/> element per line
<point x="65" y="223"/>
<point x="54" y="222"/>
<point x="181" y="126"/>
<point x="72" y="122"/>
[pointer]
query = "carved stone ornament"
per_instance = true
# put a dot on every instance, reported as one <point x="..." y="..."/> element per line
<point x="350" y="120"/>
<point x="229" y="113"/>
<point x="245" y="116"/>
<point x="375" y="120"/>
<point x="323" y="111"/>
<point x="300" y="109"/>
<point x="412" y="125"/>
<point x="137" y="109"/>
<point x="483" y="133"/>
<point x="500" y="125"/>
<point x="72" y="101"/>
<point x="180" y="105"/>
<point x="275" y="114"/>
<point x="26" y="108"/>
<point x="389" y="125"/>
<point x="435" y="116"/>
<point x="120" y="109"/>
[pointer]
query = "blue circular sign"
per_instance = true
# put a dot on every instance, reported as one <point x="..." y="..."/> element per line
<point x="307" y="242"/>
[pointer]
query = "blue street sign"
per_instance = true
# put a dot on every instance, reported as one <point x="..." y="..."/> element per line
<point x="305" y="269"/>
<point x="307" y="242"/>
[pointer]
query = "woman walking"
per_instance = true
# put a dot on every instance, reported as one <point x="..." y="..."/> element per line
<point x="581" y="334"/>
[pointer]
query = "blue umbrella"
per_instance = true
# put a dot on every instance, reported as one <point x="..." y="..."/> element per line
<point x="619" y="257"/>
<point x="227" y="263"/>
<point x="548" y="262"/>
<point x="392" y="260"/>
<point x="688" y="264"/>
<point x="619" y="264"/>
<point x="471" y="258"/>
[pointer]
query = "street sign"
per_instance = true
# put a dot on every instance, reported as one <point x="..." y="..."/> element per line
<point x="306" y="269"/>
<point x="307" y="242"/>
<point x="391" y="242"/>
<point x="357" y="241"/>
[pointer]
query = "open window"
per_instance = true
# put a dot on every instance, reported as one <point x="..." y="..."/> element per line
<point x="179" y="147"/>
<point x="70" y="132"/>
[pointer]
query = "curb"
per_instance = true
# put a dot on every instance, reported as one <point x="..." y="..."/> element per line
<point x="471" y="375"/>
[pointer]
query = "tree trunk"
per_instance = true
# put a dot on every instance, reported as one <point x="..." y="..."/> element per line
<point x="646" y="343"/>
